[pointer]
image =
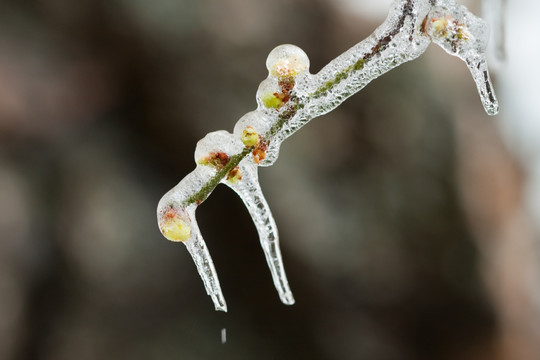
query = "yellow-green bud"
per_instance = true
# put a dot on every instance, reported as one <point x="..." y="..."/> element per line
<point x="439" y="26"/>
<point x="234" y="176"/>
<point x="269" y="100"/>
<point x="174" y="226"/>
<point x="250" y="137"/>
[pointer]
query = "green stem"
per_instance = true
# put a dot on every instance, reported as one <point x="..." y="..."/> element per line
<point x="358" y="65"/>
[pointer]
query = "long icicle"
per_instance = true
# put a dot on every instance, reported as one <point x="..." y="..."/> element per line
<point x="250" y="192"/>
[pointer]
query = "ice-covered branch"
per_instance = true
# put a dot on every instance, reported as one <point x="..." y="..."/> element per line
<point x="289" y="98"/>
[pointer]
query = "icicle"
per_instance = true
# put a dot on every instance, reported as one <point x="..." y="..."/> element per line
<point x="205" y="266"/>
<point x="248" y="188"/>
<point x="464" y="35"/>
<point x="245" y="182"/>
<point x="479" y="70"/>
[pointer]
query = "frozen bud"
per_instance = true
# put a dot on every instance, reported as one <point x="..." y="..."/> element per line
<point x="175" y="224"/>
<point x="234" y="176"/>
<point x="269" y="94"/>
<point x="250" y="124"/>
<point x="439" y="26"/>
<point x="457" y="30"/>
<point x="271" y="100"/>
<point x="216" y="148"/>
<point x="287" y="61"/>
<point x="215" y="159"/>
<point x="259" y="153"/>
<point x="447" y="28"/>
<point x="250" y="137"/>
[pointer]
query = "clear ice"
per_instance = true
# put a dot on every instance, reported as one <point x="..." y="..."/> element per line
<point x="290" y="97"/>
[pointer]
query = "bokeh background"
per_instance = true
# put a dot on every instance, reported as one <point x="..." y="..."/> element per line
<point x="408" y="218"/>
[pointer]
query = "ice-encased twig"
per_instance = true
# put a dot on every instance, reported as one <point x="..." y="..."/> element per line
<point x="290" y="97"/>
<point x="250" y="192"/>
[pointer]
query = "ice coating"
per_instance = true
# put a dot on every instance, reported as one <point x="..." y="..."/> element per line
<point x="290" y="97"/>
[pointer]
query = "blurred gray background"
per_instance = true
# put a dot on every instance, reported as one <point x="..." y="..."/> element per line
<point x="406" y="215"/>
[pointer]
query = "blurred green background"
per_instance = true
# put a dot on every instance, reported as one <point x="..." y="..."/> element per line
<point x="400" y="213"/>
